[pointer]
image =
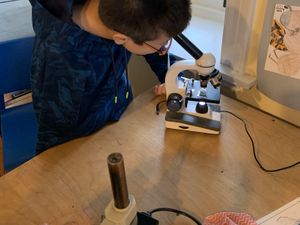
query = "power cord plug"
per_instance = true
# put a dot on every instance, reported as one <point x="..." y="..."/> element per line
<point x="143" y="218"/>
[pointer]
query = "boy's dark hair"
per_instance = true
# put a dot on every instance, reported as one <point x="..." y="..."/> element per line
<point x="144" y="20"/>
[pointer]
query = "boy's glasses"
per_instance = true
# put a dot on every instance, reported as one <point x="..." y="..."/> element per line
<point x="163" y="49"/>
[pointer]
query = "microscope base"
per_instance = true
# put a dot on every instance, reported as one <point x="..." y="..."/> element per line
<point x="183" y="121"/>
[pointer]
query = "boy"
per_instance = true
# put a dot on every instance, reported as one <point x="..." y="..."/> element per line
<point x="79" y="65"/>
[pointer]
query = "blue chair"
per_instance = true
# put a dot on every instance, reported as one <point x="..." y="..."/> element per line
<point x="18" y="124"/>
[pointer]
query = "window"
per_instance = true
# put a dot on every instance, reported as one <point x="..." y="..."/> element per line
<point x="205" y="29"/>
<point x="210" y="9"/>
<point x="212" y="4"/>
<point x="236" y="43"/>
<point x="225" y="32"/>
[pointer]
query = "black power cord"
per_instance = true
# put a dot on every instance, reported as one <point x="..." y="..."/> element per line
<point x="251" y="139"/>
<point x="177" y="212"/>
<point x="254" y="150"/>
<point x="157" y="108"/>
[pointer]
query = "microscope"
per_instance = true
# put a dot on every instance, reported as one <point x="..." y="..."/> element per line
<point x="193" y="92"/>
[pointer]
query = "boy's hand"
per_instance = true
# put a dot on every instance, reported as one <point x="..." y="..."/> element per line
<point x="160" y="89"/>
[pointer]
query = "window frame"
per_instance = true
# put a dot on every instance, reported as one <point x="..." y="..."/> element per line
<point x="239" y="16"/>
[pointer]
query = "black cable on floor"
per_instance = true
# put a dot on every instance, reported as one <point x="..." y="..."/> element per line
<point x="157" y="108"/>
<point x="253" y="147"/>
<point x="177" y="212"/>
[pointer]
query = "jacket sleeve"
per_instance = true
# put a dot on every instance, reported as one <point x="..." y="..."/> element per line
<point x="159" y="64"/>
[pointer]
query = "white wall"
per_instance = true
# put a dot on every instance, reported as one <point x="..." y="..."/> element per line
<point x="15" y="20"/>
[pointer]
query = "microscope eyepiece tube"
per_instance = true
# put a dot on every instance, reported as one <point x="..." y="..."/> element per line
<point x="188" y="46"/>
<point x="118" y="180"/>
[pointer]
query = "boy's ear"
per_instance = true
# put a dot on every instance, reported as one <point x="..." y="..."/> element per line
<point x="120" y="39"/>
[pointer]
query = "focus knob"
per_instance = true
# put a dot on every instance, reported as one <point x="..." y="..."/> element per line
<point x="174" y="102"/>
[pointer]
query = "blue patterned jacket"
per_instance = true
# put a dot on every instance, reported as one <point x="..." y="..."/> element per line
<point x="73" y="81"/>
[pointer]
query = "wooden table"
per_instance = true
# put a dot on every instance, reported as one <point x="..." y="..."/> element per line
<point x="200" y="173"/>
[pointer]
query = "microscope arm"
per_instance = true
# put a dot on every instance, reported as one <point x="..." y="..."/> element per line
<point x="173" y="84"/>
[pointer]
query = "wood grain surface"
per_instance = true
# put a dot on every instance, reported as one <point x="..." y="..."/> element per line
<point x="200" y="173"/>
